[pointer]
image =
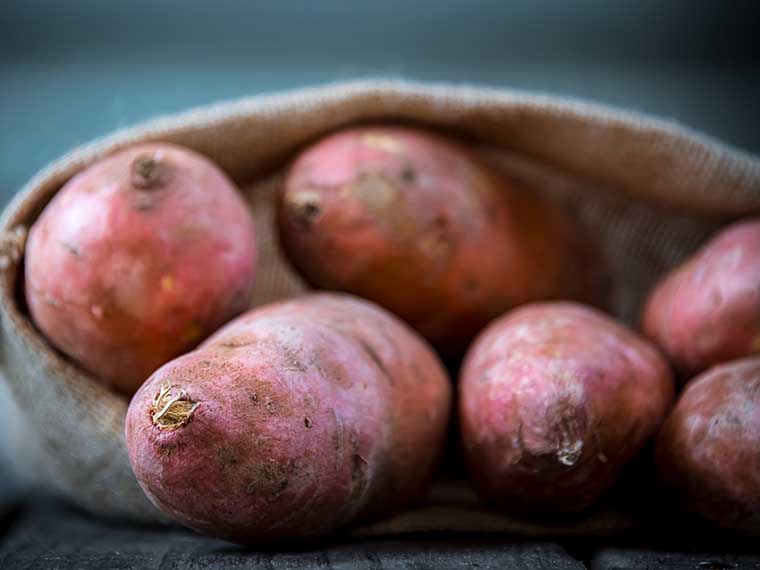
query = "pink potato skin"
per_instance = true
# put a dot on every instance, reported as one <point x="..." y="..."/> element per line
<point x="421" y="225"/>
<point x="554" y="399"/>
<point x="312" y="413"/>
<point x="707" y="311"/>
<point x="126" y="270"/>
<point x="708" y="451"/>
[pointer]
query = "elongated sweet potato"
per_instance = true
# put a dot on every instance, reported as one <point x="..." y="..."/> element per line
<point x="293" y="420"/>
<point x="138" y="258"/>
<point x="421" y="225"/>
<point x="708" y="452"/>
<point x="707" y="311"/>
<point x="555" y="398"/>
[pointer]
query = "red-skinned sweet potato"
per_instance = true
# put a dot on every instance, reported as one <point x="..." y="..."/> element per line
<point x="292" y="420"/>
<point x="420" y="224"/>
<point x="554" y="399"/>
<point x="708" y="451"/>
<point x="138" y="258"/>
<point x="707" y="311"/>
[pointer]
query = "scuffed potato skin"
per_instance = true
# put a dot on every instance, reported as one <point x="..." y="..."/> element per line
<point x="554" y="399"/>
<point x="302" y="417"/>
<point x="137" y="259"/>
<point x="707" y="311"/>
<point x="420" y="224"/>
<point x="708" y="452"/>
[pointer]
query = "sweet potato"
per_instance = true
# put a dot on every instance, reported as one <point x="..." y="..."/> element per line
<point x="137" y="258"/>
<point x="708" y="452"/>
<point x="707" y="311"/>
<point x="293" y="420"/>
<point x="423" y="226"/>
<point x="555" y="398"/>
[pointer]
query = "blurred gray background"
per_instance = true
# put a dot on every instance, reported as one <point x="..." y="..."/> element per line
<point x="76" y="69"/>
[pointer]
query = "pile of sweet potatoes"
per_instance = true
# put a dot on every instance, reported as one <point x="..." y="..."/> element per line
<point x="304" y="416"/>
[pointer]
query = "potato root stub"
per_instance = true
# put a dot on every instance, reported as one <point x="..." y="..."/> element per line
<point x="707" y="311"/>
<point x="293" y="420"/>
<point x="708" y="451"/>
<point x="137" y="259"/>
<point x="554" y="399"/>
<point x="421" y="225"/>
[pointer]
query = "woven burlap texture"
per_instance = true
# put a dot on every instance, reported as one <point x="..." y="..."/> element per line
<point x="647" y="190"/>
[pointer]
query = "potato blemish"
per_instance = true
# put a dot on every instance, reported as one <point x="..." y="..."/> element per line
<point x="171" y="408"/>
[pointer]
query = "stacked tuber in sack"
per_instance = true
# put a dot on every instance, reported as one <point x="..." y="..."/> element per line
<point x="304" y="416"/>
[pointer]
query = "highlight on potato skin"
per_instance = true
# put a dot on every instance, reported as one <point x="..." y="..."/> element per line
<point x="554" y="400"/>
<point x="708" y="451"/>
<point x="707" y="310"/>
<point x="420" y="224"/>
<point x="293" y="420"/>
<point x="138" y="258"/>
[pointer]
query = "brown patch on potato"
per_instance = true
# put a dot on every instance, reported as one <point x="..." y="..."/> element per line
<point x="233" y="343"/>
<point x="329" y="369"/>
<point x="304" y="207"/>
<point x="308" y="422"/>
<point x="269" y="480"/>
<point x="378" y="194"/>
<point x="408" y="174"/>
<point x="293" y="360"/>
<point x="283" y="484"/>
<point x="172" y="409"/>
<point x="148" y="172"/>
<point x="383" y="201"/>
<point x="226" y="456"/>
<point x="71" y="248"/>
<point x="167" y="450"/>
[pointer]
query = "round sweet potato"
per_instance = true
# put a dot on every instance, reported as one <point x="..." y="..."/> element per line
<point x="293" y="420"/>
<point x="707" y="311"/>
<point x="421" y="225"/>
<point x="555" y="398"/>
<point x="708" y="451"/>
<point x="138" y="258"/>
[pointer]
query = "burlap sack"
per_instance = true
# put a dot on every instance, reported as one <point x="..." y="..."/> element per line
<point x="648" y="190"/>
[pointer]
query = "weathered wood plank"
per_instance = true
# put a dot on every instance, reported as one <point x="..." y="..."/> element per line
<point x="54" y="536"/>
<point x="657" y="559"/>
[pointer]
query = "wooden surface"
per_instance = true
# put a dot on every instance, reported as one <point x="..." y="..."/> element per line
<point x="47" y="534"/>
